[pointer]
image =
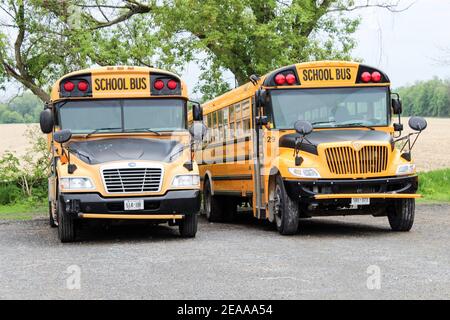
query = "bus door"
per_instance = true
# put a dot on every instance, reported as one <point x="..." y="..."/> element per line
<point x="258" y="138"/>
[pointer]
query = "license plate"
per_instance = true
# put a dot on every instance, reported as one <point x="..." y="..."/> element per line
<point x="131" y="205"/>
<point x="360" y="201"/>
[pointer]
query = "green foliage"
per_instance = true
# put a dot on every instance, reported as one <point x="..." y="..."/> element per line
<point x="253" y="36"/>
<point x="9" y="193"/>
<point x="435" y="185"/>
<point x="22" y="109"/>
<point x="239" y="36"/>
<point x="427" y="98"/>
<point x="25" y="178"/>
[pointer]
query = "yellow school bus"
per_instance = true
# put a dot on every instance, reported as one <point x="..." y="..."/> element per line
<point x="121" y="149"/>
<point x="310" y="139"/>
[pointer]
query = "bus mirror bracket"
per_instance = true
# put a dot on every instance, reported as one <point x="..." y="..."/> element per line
<point x="262" y="120"/>
<point x="417" y="124"/>
<point x="303" y="128"/>
<point x="62" y="137"/>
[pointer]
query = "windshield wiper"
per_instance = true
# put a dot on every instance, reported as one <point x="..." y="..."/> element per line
<point x="358" y="124"/>
<point x="143" y="129"/>
<point x="322" y="122"/>
<point x="100" y="129"/>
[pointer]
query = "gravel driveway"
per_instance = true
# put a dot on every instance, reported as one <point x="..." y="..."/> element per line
<point x="330" y="258"/>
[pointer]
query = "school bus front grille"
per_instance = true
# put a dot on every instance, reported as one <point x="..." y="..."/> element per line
<point x="347" y="160"/>
<point x="132" y="180"/>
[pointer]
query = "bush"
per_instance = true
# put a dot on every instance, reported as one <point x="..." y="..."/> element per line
<point x="27" y="175"/>
<point x="9" y="193"/>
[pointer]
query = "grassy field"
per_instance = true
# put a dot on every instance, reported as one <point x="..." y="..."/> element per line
<point x="22" y="211"/>
<point x="435" y="185"/>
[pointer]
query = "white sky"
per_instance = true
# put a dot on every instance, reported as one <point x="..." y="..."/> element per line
<point x="409" y="45"/>
<point x="406" y="45"/>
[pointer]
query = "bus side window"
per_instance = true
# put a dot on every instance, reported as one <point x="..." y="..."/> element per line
<point x="214" y="126"/>
<point x="225" y="123"/>
<point x="232" y="127"/>
<point x="246" y="117"/>
<point x="209" y="125"/>
<point x="220" y="123"/>
<point x="238" y="115"/>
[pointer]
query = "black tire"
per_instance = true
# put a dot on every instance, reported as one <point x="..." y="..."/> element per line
<point x="188" y="226"/>
<point x="51" y="221"/>
<point x="229" y="205"/>
<point x="66" y="226"/>
<point x="286" y="210"/>
<point x="401" y="215"/>
<point x="212" y="205"/>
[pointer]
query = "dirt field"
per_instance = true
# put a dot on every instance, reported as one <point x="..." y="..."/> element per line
<point x="12" y="138"/>
<point x="431" y="152"/>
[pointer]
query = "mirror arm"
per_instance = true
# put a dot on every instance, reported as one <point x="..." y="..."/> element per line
<point x="298" y="142"/>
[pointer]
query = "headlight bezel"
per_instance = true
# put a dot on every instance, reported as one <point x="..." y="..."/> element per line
<point x="302" y="173"/>
<point x="177" y="181"/>
<point x="68" y="183"/>
<point x="410" y="168"/>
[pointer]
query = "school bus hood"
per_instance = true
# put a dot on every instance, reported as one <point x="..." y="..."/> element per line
<point x="334" y="136"/>
<point x="128" y="149"/>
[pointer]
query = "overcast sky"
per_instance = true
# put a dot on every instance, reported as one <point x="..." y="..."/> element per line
<point x="406" y="45"/>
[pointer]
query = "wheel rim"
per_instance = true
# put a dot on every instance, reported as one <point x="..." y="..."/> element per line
<point x="278" y="205"/>
<point x="208" y="201"/>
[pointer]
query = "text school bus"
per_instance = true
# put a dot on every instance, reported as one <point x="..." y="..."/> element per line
<point x="121" y="149"/>
<point x="311" y="139"/>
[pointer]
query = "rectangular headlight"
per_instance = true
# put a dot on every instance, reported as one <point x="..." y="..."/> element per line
<point x="186" y="181"/>
<point x="406" y="169"/>
<point x="305" y="172"/>
<point x="76" y="183"/>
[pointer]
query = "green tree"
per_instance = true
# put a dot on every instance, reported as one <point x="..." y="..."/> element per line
<point x="44" y="39"/>
<point x="41" y="40"/>
<point x="10" y="116"/>
<point x="427" y="98"/>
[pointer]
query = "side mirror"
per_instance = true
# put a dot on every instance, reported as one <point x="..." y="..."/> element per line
<point x="303" y="127"/>
<point x="261" y="97"/>
<point x="397" y="106"/>
<point x="197" y="112"/>
<point x="417" y="123"/>
<point x="198" y="131"/>
<point x="46" y="121"/>
<point x="62" y="136"/>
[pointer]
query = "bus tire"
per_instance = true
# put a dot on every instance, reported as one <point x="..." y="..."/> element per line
<point x="230" y="205"/>
<point x="50" y="216"/>
<point x="66" y="226"/>
<point x="401" y="215"/>
<point x="188" y="226"/>
<point x="213" y="208"/>
<point x="286" y="210"/>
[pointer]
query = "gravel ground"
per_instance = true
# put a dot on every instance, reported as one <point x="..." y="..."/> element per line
<point x="330" y="258"/>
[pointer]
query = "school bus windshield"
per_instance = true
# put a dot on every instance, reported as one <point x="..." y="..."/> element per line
<point x="331" y="107"/>
<point x="122" y="115"/>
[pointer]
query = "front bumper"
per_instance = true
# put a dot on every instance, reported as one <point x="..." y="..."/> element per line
<point x="172" y="205"/>
<point x="309" y="191"/>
